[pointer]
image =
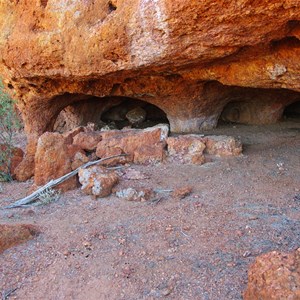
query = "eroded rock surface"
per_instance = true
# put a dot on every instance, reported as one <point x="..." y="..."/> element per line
<point x="190" y="59"/>
<point x="53" y="159"/>
<point x="97" y="181"/>
<point x="141" y="146"/>
<point x="68" y="64"/>
<point x="133" y="194"/>
<point x="186" y="149"/>
<point x="274" y="276"/>
<point x="193" y="148"/>
<point x="221" y="145"/>
<point x="12" y="235"/>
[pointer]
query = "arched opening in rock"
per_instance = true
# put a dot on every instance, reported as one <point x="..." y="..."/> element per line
<point x="231" y="113"/>
<point x="109" y="113"/>
<point x="292" y="112"/>
<point x="252" y="106"/>
<point x="134" y="113"/>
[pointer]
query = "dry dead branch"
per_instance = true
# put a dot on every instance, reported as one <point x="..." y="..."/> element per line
<point x="32" y="197"/>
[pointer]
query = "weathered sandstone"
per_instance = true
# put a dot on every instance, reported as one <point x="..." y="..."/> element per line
<point x="53" y="159"/>
<point x="134" y="194"/>
<point x="220" y="145"/>
<point x="274" y="276"/>
<point x="141" y="146"/>
<point x="97" y="181"/>
<point x="194" y="60"/>
<point x="58" y="154"/>
<point x="193" y="148"/>
<point x="87" y="140"/>
<point x="186" y="149"/>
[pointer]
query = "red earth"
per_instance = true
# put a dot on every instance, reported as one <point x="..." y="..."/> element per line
<point x="198" y="247"/>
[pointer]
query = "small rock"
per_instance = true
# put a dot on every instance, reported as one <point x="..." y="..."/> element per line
<point x="183" y="192"/>
<point x="169" y="228"/>
<point x="97" y="181"/>
<point x="246" y="254"/>
<point x="136" y="115"/>
<point x="87" y="245"/>
<point x="79" y="160"/>
<point x="127" y="271"/>
<point x="186" y="228"/>
<point x="131" y="194"/>
<point x="166" y="291"/>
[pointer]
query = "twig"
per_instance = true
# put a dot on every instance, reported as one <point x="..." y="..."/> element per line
<point x="55" y="182"/>
<point x="5" y="294"/>
<point x="186" y="235"/>
<point x="162" y="191"/>
<point x="116" y="168"/>
<point x="156" y="200"/>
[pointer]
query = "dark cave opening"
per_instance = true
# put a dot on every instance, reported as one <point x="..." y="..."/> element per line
<point x="134" y="113"/>
<point x="252" y="106"/>
<point x="231" y="113"/>
<point x="292" y="112"/>
<point x="108" y="113"/>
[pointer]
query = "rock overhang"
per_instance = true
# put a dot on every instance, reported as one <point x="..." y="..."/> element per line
<point x="190" y="59"/>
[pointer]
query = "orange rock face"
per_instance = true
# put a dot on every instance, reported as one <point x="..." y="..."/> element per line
<point x="186" y="149"/>
<point x="53" y="160"/>
<point x="141" y="146"/>
<point x="87" y="140"/>
<point x="194" y="60"/>
<point x="193" y="148"/>
<point x="274" y="276"/>
<point x="222" y="146"/>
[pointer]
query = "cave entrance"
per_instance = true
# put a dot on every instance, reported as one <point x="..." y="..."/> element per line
<point x="231" y="113"/>
<point x="292" y="112"/>
<point x="251" y="106"/>
<point x="109" y="113"/>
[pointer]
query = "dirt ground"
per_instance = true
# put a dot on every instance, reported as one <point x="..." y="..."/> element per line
<point x="199" y="247"/>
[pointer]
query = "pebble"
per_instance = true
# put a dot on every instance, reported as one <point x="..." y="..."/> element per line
<point x="247" y="254"/>
<point x="239" y="233"/>
<point x="166" y="291"/>
<point x="187" y="228"/>
<point x="169" y="228"/>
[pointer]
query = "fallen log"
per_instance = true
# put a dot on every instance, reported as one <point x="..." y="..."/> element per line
<point x="35" y="195"/>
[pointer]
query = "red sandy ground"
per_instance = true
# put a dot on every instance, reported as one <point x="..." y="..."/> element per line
<point x="199" y="247"/>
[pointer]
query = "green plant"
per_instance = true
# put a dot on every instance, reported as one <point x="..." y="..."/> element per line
<point x="47" y="196"/>
<point x="9" y="124"/>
